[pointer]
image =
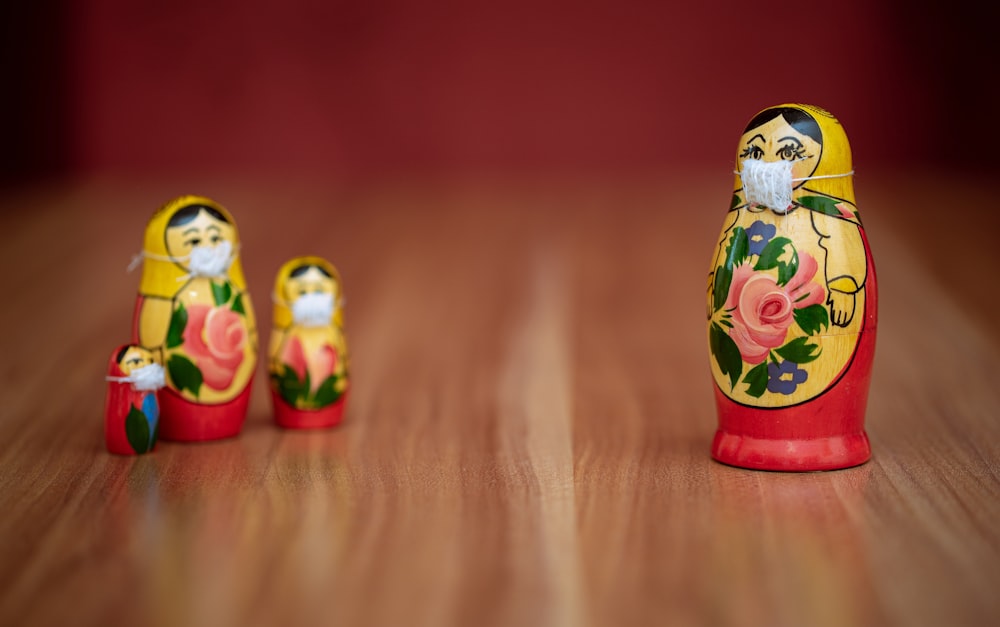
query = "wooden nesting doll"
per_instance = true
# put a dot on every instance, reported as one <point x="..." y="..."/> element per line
<point x="792" y="300"/>
<point x="193" y="311"/>
<point x="131" y="410"/>
<point x="308" y="359"/>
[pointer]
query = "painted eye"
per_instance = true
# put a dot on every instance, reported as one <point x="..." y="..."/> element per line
<point x="790" y="152"/>
<point x="752" y="152"/>
<point x="216" y="239"/>
<point x="194" y="241"/>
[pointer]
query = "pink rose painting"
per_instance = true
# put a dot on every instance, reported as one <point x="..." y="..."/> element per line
<point x="320" y="365"/>
<point x="760" y="289"/>
<point x="762" y="311"/>
<point x="215" y="338"/>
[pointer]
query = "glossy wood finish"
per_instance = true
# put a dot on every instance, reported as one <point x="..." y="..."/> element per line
<point x="527" y="441"/>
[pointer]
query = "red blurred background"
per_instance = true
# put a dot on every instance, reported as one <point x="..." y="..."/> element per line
<point x="359" y="89"/>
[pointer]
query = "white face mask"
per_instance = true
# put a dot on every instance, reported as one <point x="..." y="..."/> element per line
<point x="313" y="310"/>
<point x="144" y="379"/>
<point x="768" y="183"/>
<point x="211" y="261"/>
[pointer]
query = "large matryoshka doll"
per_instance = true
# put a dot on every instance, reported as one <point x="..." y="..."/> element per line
<point x="308" y="359"/>
<point x="792" y="300"/>
<point x="131" y="409"/>
<point x="194" y="312"/>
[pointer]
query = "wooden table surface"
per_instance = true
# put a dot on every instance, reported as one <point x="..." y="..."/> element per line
<point x="527" y="440"/>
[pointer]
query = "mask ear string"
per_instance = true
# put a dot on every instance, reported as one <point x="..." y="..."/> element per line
<point x="823" y="176"/>
<point x="809" y="178"/>
<point x="145" y="254"/>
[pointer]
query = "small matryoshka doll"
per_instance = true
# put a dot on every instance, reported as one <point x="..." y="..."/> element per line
<point x="792" y="300"/>
<point x="131" y="410"/>
<point x="308" y="353"/>
<point x="194" y="312"/>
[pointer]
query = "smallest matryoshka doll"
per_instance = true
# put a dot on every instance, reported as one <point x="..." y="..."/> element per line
<point x="131" y="408"/>
<point x="308" y="360"/>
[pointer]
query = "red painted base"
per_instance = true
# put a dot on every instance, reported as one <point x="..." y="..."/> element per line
<point x="824" y="433"/>
<point x="184" y="421"/>
<point x="829" y="453"/>
<point x="291" y="418"/>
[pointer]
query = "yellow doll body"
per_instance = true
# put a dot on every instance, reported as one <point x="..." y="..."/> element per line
<point x="202" y="327"/>
<point x="791" y="297"/>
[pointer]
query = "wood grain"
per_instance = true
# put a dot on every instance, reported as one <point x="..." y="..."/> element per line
<point x="527" y="440"/>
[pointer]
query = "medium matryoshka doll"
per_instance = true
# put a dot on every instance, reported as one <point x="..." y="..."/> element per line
<point x="194" y="312"/>
<point x="131" y="411"/>
<point x="308" y="352"/>
<point x="792" y="301"/>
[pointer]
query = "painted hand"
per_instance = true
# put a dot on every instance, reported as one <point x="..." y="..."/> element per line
<point x="841" y="308"/>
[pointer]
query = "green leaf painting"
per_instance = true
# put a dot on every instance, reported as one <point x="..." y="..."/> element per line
<point x="726" y="354"/>
<point x="812" y="319"/>
<point x="739" y="247"/>
<point x="327" y="393"/>
<point x="756" y="380"/>
<point x="221" y="293"/>
<point x="137" y="430"/>
<point x="178" y="322"/>
<point x="769" y="256"/>
<point x="799" y="351"/>
<point x="238" y="305"/>
<point x="720" y="288"/>
<point x="772" y="257"/>
<point x="787" y="270"/>
<point x="824" y="204"/>
<point x="289" y="386"/>
<point x="184" y="374"/>
<point x="299" y="393"/>
<point x="736" y="253"/>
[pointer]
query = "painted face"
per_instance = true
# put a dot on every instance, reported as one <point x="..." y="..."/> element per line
<point x="312" y="281"/>
<point x="204" y="230"/>
<point x="135" y="357"/>
<point x="778" y="141"/>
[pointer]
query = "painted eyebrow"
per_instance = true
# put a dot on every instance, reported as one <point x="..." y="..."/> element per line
<point x="758" y="135"/>
<point x="214" y="228"/>
<point x="794" y="139"/>
<point x="193" y="229"/>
